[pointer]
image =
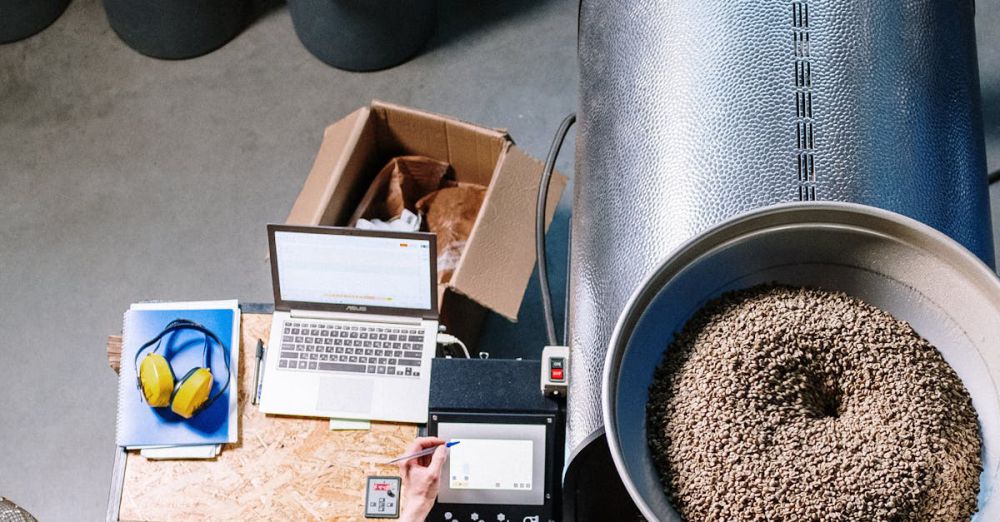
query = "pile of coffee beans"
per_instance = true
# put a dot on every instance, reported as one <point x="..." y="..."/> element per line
<point x="782" y="403"/>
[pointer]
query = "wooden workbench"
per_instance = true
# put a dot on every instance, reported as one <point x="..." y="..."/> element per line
<point x="282" y="468"/>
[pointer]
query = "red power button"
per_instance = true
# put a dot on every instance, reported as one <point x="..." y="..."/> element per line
<point x="557" y="374"/>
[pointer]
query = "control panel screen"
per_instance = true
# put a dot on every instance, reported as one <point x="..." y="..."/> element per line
<point x="491" y="464"/>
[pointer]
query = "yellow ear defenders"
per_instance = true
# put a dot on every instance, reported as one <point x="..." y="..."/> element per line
<point x="191" y="393"/>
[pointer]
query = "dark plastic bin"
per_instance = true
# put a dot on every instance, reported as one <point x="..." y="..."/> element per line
<point x="20" y="19"/>
<point x="176" y="29"/>
<point x="363" y="35"/>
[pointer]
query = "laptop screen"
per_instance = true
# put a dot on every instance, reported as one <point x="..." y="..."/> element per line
<point x="350" y="270"/>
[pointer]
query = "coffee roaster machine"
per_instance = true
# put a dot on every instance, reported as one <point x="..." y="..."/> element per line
<point x="832" y="143"/>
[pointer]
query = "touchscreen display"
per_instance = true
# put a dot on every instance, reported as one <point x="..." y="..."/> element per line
<point x="491" y="464"/>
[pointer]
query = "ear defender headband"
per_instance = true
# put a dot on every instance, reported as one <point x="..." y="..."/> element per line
<point x="156" y="379"/>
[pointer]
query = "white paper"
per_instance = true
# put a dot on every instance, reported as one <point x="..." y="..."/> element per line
<point x="406" y="222"/>
<point x="205" y="451"/>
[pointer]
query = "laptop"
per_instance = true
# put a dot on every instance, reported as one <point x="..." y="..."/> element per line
<point x="355" y="323"/>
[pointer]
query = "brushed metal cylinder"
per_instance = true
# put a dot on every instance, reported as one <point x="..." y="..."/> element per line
<point x="694" y="111"/>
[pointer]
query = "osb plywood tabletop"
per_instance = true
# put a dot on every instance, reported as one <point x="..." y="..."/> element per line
<point x="282" y="468"/>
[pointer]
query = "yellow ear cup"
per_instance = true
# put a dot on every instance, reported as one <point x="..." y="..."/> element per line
<point x="192" y="392"/>
<point x="157" y="380"/>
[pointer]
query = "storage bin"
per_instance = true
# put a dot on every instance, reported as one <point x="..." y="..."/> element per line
<point x="176" y="29"/>
<point x="20" y="19"/>
<point x="363" y="35"/>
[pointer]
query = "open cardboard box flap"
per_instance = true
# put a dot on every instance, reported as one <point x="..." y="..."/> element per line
<point x="500" y="253"/>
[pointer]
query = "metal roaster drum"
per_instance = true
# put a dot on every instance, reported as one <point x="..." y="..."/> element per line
<point x="912" y="271"/>
<point x="693" y="113"/>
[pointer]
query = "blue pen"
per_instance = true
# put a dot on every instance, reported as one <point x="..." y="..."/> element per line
<point x="421" y="453"/>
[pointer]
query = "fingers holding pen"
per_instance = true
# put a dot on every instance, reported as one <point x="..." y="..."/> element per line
<point x="437" y="459"/>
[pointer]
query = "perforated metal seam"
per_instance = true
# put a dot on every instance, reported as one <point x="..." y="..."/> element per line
<point x="805" y="140"/>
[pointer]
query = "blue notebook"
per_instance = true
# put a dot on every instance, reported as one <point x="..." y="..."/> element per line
<point x="141" y="425"/>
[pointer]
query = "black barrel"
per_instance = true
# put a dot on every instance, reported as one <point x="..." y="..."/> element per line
<point x="22" y="18"/>
<point x="176" y="29"/>
<point x="363" y="35"/>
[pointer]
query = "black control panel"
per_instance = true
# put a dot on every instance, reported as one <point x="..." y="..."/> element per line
<point x="487" y="514"/>
<point x="510" y="466"/>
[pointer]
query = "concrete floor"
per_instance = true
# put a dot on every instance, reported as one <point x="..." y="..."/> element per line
<point x="125" y="178"/>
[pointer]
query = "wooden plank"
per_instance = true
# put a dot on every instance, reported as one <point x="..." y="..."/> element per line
<point x="115" y="352"/>
<point x="282" y="468"/>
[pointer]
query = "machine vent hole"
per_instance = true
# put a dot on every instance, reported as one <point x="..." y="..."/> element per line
<point x="805" y="138"/>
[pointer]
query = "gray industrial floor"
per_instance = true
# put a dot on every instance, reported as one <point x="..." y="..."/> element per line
<point x="125" y="178"/>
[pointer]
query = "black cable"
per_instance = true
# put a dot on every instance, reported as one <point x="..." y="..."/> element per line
<point x="172" y="326"/>
<point x="994" y="177"/>
<point x="569" y="268"/>
<point x="543" y="194"/>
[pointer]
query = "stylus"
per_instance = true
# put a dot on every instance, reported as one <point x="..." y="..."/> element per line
<point x="421" y="453"/>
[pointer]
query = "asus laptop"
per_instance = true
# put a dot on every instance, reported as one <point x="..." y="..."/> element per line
<point x="354" y="326"/>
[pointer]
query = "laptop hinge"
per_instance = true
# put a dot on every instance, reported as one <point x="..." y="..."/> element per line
<point x="363" y="318"/>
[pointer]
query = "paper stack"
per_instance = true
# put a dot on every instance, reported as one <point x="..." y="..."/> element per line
<point x="159" y="432"/>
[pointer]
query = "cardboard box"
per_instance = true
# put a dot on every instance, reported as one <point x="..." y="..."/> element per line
<point x="500" y="254"/>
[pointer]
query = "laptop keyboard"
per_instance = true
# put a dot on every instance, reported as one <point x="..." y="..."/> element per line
<point x="334" y="347"/>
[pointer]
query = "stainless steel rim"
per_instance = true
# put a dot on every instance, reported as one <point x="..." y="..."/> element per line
<point x="791" y="214"/>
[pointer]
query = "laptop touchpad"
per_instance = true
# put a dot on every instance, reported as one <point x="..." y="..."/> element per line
<point x="344" y="395"/>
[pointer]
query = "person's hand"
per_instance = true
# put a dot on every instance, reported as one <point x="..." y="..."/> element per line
<point x="421" y="479"/>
